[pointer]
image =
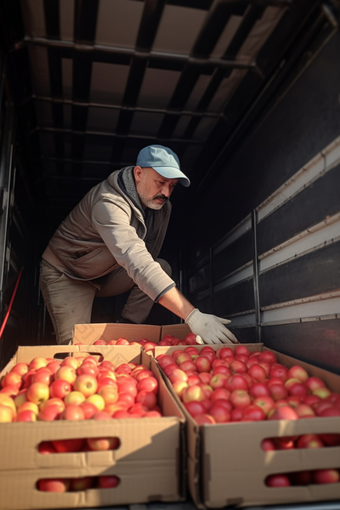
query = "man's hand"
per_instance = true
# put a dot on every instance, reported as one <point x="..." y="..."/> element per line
<point x="210" y="328"/>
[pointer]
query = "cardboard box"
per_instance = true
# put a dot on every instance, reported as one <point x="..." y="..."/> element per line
<point x="87" y="334"/>
<point x="226" y="465"/>
<point x="149" y="461"/>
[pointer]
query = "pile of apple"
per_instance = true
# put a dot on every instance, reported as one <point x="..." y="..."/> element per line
<point x="77" y="484"/>
<point x="77" y="388"/>
<point x="315" y="477"/>
<point x="229" y="385"/>
<point x="148" y="345"/>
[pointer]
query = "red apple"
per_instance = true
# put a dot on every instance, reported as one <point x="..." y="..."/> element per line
<point x="240" y="398"/>
<point x="60" y="388"/>
<point x="279" y="480"/>
<point x="53" y="485"/>
<point x="108" y="482"/>
<point x="204" y="419"/>
<point x="323" y="476"/>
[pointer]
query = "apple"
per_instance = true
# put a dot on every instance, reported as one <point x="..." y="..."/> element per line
<point x="313" y="383"/>
<point x="278" y="391"/>
<point x="304" y="411"/>
<point x="53" y="485"/>
<point x="257" y="372"/>
<point x="49" y="413"/>
<point x="236" y="382"/>
<point x="203" y="364"/>
<point x="12" y="379"/>
<point x="284" y="412"/>
<point x="37" y="362"/>
<point x="53" y="402"/>
<point x="309" y="441"/>
<point x="72" y="412"/>
<point x="43" y="375"/>
<point x="184" y="356"/>
<point x="268" y="445"/>
<point x="89" y="410"/>
<point x="297" y="372"/>
<point x="259" y="389"/>
<point x="330" y="411"/>
<point x="31" y="406"/>
<point x="266" y="403"/>
<point x="6" y="414"/>
<point x="38" y="393"/>
<point x="187" y="366"/>
<point x="220" y="393"/>
<point x="11" y="391"/>
<point x="241" y="349"/>
<point x="207" y="390"/>
<point x="177" y="375"/>
<point x="46" y="447"/>
<point x="108" y="482"/>
<point x="148" y="384"/>
<point x="240" y="398"/>
<point x="193" y="379"/>
<point x="204" y="419"/>
<point x="60" y="388"/>
<point x="86" y="383"/>
<point x="267" y="357"/>
<point x="89" y="369"/>
<point x="74" y="398"/>
<point x="322" y="392"/>
<point x="223" y="352"/>
<point x="253" y="413"/>
<point x="218" y="380"/>
<point x="193" y="392"/>
<point x="97" y="400"/>
<point x="69" y="361"/>
<point x="20" y="368"/>
<point x="179" y="387"/>
<point x="323" y="476"/>
<point x="236" y="414"/>
<point x="279" y="371"/>
<point x="219" y="413"/>
<point x="9" y="402"/>
<point x="147" y="398"/>
<point x="20" y="398"/>
<point x="194" y="408"/>
<point x="279" y="480"/>
<point x="298" y="389"/>
<point x="66" y="373"/>
<point x="109" y="394"/>
<point x="330" y="439"/>
<point x="68" y="445"/>
<point x="238" y="367"/>
<point x="103" y="443"/>
<point x="53" y="366"/>
<point x="82" y="484"/>
<point x="205" y="377"/>
<point x="222" y="369"/>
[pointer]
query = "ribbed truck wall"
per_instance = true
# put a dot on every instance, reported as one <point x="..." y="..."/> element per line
<point x="271" y="257"/>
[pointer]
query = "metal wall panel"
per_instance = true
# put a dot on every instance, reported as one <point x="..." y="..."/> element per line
<point x="301" y="212"/>
<point x="315" y="273"/>
<point x="232" y="257"/>
<point x="316" y="342"/>
<point x="235" y="299"/>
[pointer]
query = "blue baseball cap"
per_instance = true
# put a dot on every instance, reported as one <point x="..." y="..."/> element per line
<point x="164" y="161"/>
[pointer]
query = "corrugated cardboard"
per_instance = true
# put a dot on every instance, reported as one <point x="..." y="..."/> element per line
<point x="88" y="333"/>
<point x="226" y="465"/>
<point x="149" y="461"/>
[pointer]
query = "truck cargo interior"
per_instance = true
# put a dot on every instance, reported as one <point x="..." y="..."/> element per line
<point x="246" y="92"/>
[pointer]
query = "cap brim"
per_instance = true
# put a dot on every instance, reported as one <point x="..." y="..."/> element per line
<point x="173" y="173"/>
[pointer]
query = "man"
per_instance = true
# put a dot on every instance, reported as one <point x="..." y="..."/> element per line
<point x="109" y="244"/>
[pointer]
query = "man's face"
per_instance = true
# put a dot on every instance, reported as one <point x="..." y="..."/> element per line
<point x="153" y="189"/>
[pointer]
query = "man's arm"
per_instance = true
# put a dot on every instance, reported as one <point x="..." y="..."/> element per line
<point x="209" y="327"/>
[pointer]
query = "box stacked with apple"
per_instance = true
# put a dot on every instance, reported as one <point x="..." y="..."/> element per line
<point x="291" y="406"/>
<point x="95" y="428"/>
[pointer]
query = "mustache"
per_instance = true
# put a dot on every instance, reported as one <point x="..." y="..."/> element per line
<point x="162" y="197"/>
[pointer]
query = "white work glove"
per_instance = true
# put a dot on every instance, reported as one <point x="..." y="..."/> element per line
<point x="210" y="328"/>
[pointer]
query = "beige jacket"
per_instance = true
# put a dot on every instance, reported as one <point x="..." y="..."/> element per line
<point x="106" y="230"/>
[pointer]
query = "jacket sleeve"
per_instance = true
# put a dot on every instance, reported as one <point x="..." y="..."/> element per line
<point x="112" y="222"/>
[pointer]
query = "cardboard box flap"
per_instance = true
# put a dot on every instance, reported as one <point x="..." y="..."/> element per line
<point x="89" y="333"/>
